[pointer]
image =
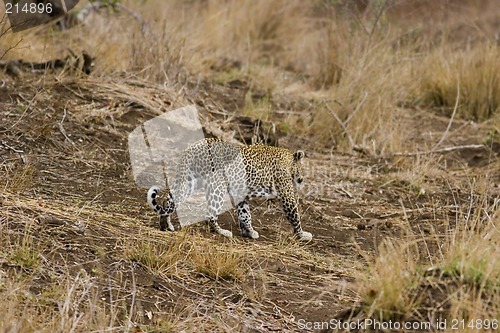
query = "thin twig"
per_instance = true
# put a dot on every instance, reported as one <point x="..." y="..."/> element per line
<point x="381" y="10"/>
<point x="144" y="24"/>
<point x="451" y="118"/>
<point x="435" y="151"/>
<point x="10" y="147"/>
<point x="343" y="124"/>
<point x="30" y="103"/>
<point x="10" y="48"/>
<point x="61" y="129"/>
<point x="344" y="128"/>
<point x="358" y="107"/>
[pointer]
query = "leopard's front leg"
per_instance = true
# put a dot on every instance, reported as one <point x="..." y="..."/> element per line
<point x="291" y="209"/>
<point x="245" y="219"/>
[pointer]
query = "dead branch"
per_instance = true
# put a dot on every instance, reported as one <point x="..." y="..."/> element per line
<point x="436" y="151"/>
<point x="2" y="21"/>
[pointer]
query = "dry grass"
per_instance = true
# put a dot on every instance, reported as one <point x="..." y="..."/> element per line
<point x="318" y="51"/>
<point x="218" y="261"/>
<point x="475" y="71"/>
<point x="184" y="252"/>
<point x="388" y="287"/>
<point x="19" y="178"/>
<point x="460" y="270"/>
<point x="57" y="295"/>
<point x="161" y="258"/>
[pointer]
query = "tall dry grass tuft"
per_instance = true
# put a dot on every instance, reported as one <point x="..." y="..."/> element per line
<point x="71" y="305"/>
<point x="475" y="70"/>
<point x="218" y="261"/>
<point x="20" y="249"/>
<point x="388" y="288"/>
<point x="161" y="258"/>
<point x="18" y="178"/>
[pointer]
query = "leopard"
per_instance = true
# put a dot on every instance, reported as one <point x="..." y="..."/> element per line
<point x="242" y="171"/>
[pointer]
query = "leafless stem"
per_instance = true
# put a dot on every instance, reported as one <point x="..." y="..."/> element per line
<point x="10" y="48"/>
<point x="358" y="107"/>
<point x="451" y="118"/>
<point x="3" y="32"/>
<point x="380" y="11"/>
<point x="344" y="124"/>
<point x="61" y="128"/>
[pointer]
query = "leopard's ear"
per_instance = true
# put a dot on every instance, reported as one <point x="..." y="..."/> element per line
<point x="298" y="155"/>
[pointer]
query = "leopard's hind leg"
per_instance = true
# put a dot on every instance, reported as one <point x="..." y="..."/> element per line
<point x="215" y="200"/>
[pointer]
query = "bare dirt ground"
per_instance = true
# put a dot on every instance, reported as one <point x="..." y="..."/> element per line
<point x="68" y="185"/>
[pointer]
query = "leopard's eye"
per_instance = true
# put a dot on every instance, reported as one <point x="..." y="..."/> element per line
<point x="300" y="180"/>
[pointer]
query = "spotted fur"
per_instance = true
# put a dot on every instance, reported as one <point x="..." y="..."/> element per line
<point x="245" y="172"/>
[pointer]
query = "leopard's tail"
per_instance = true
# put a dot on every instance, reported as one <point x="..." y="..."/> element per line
<point x="152" y="195"/>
